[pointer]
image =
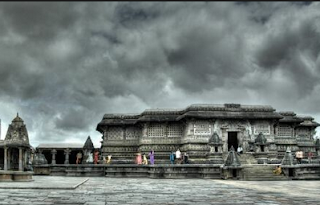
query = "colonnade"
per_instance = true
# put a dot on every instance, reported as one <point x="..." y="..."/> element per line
<point x="7" y="157"/>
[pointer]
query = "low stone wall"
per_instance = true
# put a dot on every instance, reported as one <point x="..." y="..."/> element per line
<point x="302" y="171"/>
<point x="132" y="170"/>
<point x="179" y="171"/>
<point x="8" y="176"/>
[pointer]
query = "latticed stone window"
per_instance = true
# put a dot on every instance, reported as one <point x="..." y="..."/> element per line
<point x="132" y="133"/>
<point x="284" y="131"/>
<point x="115" y="133"/>
<point x="202" y="128"/>
<point x="156" y="130"/>
<point x="175" y="130"/>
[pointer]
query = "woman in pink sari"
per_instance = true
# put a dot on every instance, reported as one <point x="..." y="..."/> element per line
<point x="138" y="158"/>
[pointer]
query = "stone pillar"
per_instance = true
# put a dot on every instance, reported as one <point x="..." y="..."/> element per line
<point x="5" y="158"/>
<point x="53" y="152"/>
<point x="66" y="153"/>
<point x="20" y="159"/>
<point x="9" y="159"/>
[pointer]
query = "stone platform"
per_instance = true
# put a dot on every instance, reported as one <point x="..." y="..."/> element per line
<point x="52" y="182"/>
<point x="132" y="170"/>
<point x="19" y="176"/>
<point x="247" y="172"/>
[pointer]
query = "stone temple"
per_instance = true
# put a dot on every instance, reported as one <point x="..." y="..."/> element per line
<point x="210" y="135"/>
<point x="207" y="132"/>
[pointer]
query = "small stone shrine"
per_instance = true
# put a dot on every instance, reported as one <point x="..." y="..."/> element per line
<point x="17" y="153"/>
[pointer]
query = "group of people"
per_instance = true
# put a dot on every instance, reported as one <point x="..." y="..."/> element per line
<point x="92" y="158"/>
<point x="142" y="159"/>
<point x="178" y="158"/>
<point x="175" y="158"/>
<point x="300" y="156"/>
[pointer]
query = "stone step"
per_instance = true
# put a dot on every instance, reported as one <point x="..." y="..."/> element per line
<point x="261" y="173"/>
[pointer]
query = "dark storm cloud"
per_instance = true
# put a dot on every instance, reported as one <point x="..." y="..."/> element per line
<point x="63" y="65"/>
<point x="294" y="49"/>
<point x="38" y="20"/>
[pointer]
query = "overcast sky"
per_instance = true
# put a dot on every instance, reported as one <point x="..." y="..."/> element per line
<point x="63" y="65"/>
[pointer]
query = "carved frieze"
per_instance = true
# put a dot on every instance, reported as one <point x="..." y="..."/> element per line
<point x="159" y="140"/>
<point x="166" y="148"/>
<point x="234" y="125"/>
<point x="119" y="149"/>
<point x="202" y="128"/>
<point x="264" y="128"/>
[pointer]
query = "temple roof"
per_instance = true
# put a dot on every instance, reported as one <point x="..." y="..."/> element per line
<point x="205" y="111"/>
<point x="232" y="159"/>
<point x="88" y="144"/>
<point x="231" y="115"/>
<point x="290" y="117"/>
<point x="17" y="134"/>
<point x="59" y="145"/>
<point x="17" y="119"/>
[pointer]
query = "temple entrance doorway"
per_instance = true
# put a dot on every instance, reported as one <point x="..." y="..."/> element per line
<point x="233" y="140"/>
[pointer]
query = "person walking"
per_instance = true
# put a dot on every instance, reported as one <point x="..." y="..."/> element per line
<point x="299" y="156"/>
<point x="79" y="157"/>
<point x="109" y="159"/>
<point x="145" y="160"/>
<point x="138" y="158"/>
<point x="151" y="156"/>
<point x="90" y="158"/>
<point x="96" y="157"/>
<point x="172" y="157"/>
<point x="178" y="156"/>
<point x="240" y="150"/>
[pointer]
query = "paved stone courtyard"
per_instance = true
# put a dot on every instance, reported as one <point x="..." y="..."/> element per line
<point x="100" y="190"/>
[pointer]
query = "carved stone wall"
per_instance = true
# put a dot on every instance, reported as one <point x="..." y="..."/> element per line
<point x="285" y="130"/>
<point x="192" y="135"/>
<point x="115" y="133"/>
<point x="303" y="131"/>
<point x="157" y="130"/>
<point x="175" y="130"/>
<point x="132" y="133"/>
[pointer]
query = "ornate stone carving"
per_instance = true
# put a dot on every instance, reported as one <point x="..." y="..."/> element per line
<point x="202" y="128"/>
<point x="17" y="133"/>
<point x="115" y="133"/>
<point x="132" y="133"/>
<point x="264" y="128"/>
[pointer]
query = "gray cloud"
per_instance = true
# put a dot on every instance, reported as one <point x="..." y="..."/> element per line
<point x="63" y="65"/>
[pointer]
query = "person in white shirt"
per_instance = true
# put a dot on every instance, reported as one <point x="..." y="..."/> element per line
<point x="240" y="150"/>
<point x="178" y="156"/>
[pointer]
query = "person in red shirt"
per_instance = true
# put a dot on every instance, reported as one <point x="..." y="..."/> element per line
<point x="96" y="157"/>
